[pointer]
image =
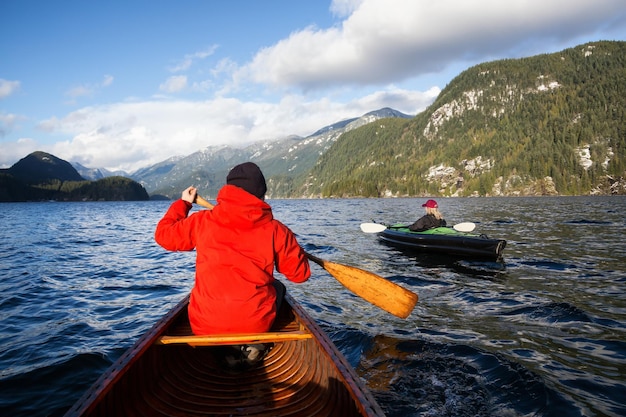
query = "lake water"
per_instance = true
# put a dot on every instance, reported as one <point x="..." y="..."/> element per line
<point x="541" y="333"/>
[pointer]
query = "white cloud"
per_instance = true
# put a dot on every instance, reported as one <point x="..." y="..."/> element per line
<point x="134" y="135"/>
<point x="189" y="59"/>
<point x="79" y="91"/>
<point x="12" y="152"/>
<point x="8" y="87"/>
<point x="386" y="41"/>
<point x="174" y="84"/>
<point x="406" y="101"/>
<point x="107" y="81"/>
<point x="88" y="90"/>
<point x="7" y="122"/>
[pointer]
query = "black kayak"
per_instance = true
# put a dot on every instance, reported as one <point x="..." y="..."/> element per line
<point x="444" y="240"/>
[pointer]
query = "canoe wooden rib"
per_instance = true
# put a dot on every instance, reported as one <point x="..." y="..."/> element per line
<point x="162" y="375"/>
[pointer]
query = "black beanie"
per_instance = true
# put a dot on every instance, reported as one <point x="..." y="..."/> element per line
<point x="249" y="177"/>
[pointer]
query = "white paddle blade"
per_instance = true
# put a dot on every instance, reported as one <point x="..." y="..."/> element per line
<point x="464" y="227"/>
<point x="372" y="227"/>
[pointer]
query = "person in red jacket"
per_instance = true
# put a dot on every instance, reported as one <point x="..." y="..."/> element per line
<point x="238" y="244"/>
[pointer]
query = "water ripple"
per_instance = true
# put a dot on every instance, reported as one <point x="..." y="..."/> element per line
<point x="540" y="333"/>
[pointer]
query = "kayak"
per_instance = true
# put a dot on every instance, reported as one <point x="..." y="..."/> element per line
<point x="171" y="372"/>
<point x="444" y="240"/>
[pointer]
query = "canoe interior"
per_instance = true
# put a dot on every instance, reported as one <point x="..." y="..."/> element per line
<point x="444" y="241"/>
<point x="307" y="377"/>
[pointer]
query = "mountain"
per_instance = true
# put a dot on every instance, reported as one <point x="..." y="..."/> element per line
<point x="94" y="174"/>
<point x="282" y="160"/>
<point x="42" y="176"/>
<point x="552" y="124"/>
<point x="41" y="167"/>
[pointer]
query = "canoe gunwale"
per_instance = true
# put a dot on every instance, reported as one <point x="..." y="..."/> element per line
<point x="110" y="377"/>
<point x="352" y="387"/>
<point x="351" y="379"/>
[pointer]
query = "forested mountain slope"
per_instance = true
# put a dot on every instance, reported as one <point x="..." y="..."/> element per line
<point x="553" y="124"/>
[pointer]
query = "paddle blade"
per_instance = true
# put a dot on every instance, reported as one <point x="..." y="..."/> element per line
<point x="371" y="287"/>
<point x="464" y="227"/>
<point x="372" y="227"/>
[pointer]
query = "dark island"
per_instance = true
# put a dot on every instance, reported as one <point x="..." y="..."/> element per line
<point x="41" y="176"/>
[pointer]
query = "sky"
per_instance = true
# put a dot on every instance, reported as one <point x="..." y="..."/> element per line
<point x="126" y="84"/>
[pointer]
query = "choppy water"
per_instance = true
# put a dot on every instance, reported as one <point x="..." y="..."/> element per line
<point x="542" y="333"/>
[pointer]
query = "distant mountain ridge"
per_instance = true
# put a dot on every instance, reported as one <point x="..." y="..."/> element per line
<point x="94" y="174"/>
<point x="42" y="176"/>
<point x="282" y="160"/>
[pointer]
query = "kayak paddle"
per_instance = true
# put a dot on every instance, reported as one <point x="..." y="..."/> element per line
<point x="372" y="227"/>
<point x="377" y="227"/>
<point x="464" y="227"/>
<point x="373" y="288"/>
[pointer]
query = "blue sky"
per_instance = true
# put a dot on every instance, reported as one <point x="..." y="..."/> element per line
<point x="126" y="84"/>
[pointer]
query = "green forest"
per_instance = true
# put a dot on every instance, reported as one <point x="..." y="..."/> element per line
<point x="106" y="189"/>
<point x="552" y="124"/>
<point x="41" y="176"/>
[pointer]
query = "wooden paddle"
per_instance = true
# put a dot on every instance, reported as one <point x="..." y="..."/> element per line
<point x="377" y="227"/>
<point x="202" y="202"/>
<point x="371" y="287"/>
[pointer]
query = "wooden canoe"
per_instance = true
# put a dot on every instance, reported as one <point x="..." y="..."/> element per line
<point x="163" y="375"/>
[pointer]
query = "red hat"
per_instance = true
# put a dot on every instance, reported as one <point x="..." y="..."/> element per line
<point x="430" y="204"/>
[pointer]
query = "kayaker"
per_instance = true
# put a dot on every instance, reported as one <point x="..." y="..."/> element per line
<point x="432" y="218"/>
<point x="238" y="245"/>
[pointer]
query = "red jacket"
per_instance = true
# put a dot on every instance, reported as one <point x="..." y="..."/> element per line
<point x="237" y="244"/>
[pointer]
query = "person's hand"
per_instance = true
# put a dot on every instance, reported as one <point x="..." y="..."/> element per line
<point x="189" y="194"/>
